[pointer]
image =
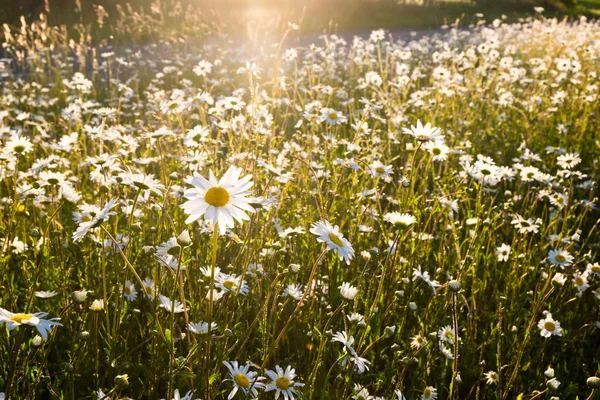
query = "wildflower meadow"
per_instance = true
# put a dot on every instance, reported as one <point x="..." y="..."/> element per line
<point x="378" y="217"/>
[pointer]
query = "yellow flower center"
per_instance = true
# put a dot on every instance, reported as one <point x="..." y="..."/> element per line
<point x="380" y="170"/>
<point x="579" y="281"/>
<point x="229" y="284"/>
<point x="550" y="326"/>
<point x="336" y="239"/>
<point x="427" y="393"/>
<point x="217" y="196"/>
<point x="596" y="268"/>
<point x="242" y="380"/>
<point x="332" y="116"/>
<point x="19" y="148"/>
<point x="282" y="383"/>
<point x="560" y="258"/>
<point x="19" y="318"/>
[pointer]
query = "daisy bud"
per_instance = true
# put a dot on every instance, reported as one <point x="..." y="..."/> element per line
<point x="36" y="341"/>
<point x="593" y="382"/>
<point x="553" y="384"/>
<point x="458" y="379"/>
<point x="412" y="305"/>
<point x="228" y="333"/>
<point x="83" y="335"/>
<point x="184" y="239"/>
<point x="549" y="373"/>
<point x="136" y="228"/>
<point x="390" y="331"/>
<point x="454" y="285"/>
<point x="34" y="233"/>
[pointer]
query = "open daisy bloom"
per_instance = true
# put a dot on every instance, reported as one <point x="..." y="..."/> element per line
<point x="424" y="133"/>
<point x="243" y="379"/>
<point x="549" y="326"/>
<point x="331" y="236"/>
<point x="36" y="320"/>
<point x="283" y="382"/>
<point x="221" y="202"/>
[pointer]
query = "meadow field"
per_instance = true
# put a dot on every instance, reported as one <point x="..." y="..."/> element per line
<point x="388" y="216"/>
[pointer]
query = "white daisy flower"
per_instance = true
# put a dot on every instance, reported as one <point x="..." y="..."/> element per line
<point x="201" y="328"/>
<point x="549" y="326"/>
<point x="243" y="379"/>
<point x="424" y="133"/>
<point x="430" y="393"/>
<point x="283" y="382"/>
<point x="36" y="320"/>
<point x="348" y="291"/>
<point x="221" y="202"/>
<point x="331" y="236"/>
<point x="560" y="257"/>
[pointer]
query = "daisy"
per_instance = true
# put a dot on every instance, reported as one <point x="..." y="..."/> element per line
<point x="330" y="235"/>
<point x="549" y="326"/>
<point x="430" y="393"/>
<point x="491" y="377"/>
<point x="446" y="351"/>
<point x="170" y="305"/>
<point x="295" y="291"/>
<point x="379" y="170"/>
<point x="283" y="382"/>
<point x="503" y="252"/>
<point x="347" y="291"/>
<point x="331" y="116"/>
<point x="204" y="67"/>
<point x="594" y="269"/>
<point x="438" y="150"/>
<point x="18" y="145"/>
<point x="243" y="379"/>
<point x="201" y="328"/>
<point x="580" y="281"/>
<point x="144" y="182"/>
<point x="400" y="220"/>
<point x="526" y="225"/>
<point x="46" y="295"/>
<point x="221" y="202"/>
<point x="417" y="341"/>
<point x="446" y="334"/>
<point x="95" y="220"/>
<point x="560" y="257"/>
<point x="424" y="133"/>
<point x="231" y="283"/>
<point x="188" y="395"/>
<point x="36" y="320"/>
<point x="129" y="291"/>
<point x="568" y="161"/>
<point x="97" y="305"/>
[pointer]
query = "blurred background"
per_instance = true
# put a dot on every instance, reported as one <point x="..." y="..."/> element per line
<point x="155" y="19"/>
